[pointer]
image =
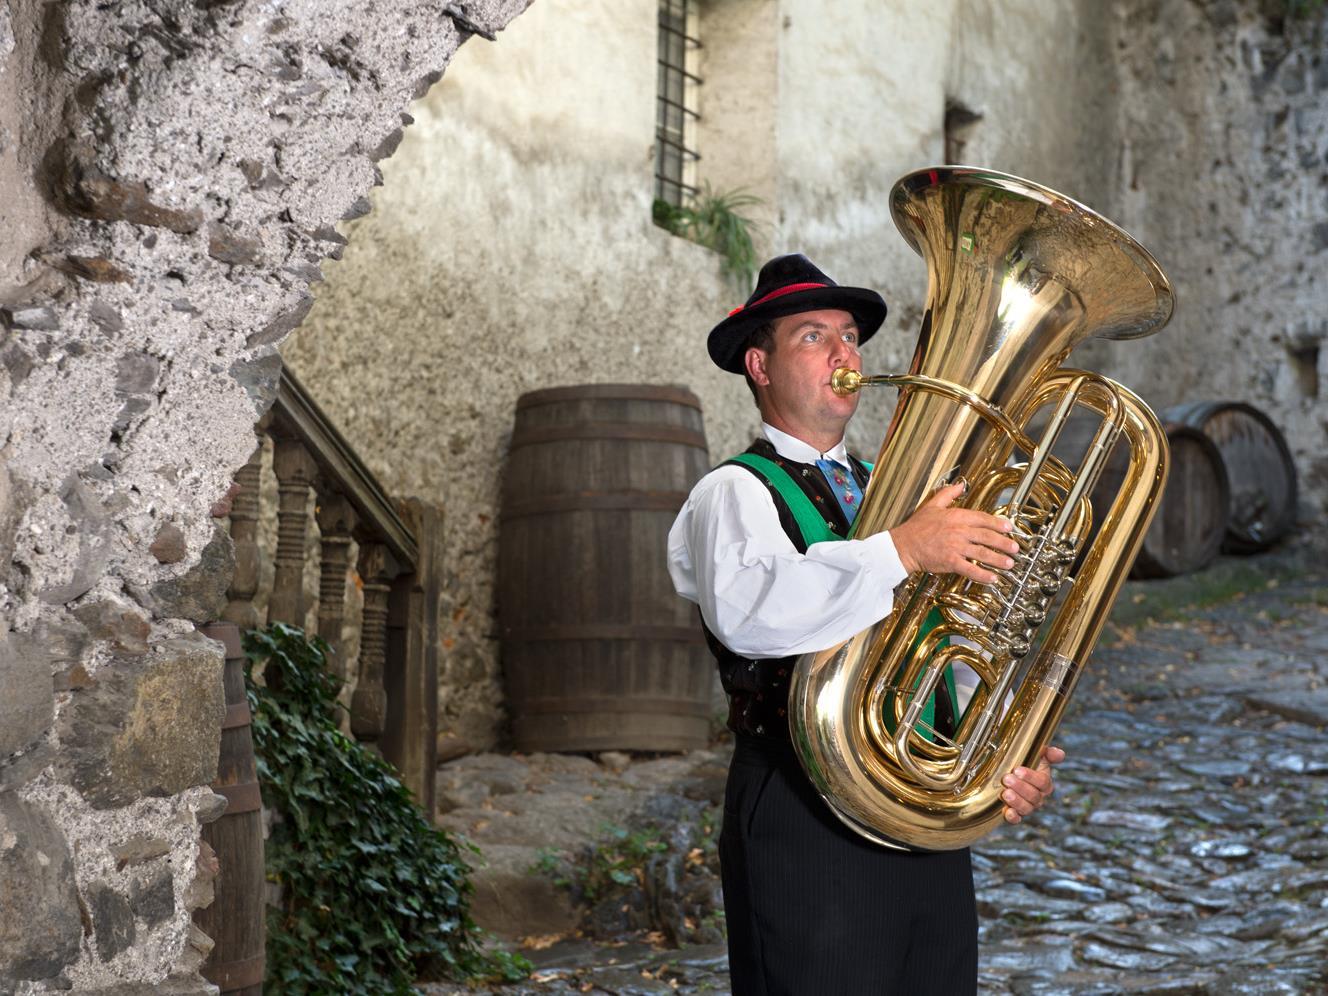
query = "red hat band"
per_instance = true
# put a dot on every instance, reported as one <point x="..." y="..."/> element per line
<point x="791" y="288"/>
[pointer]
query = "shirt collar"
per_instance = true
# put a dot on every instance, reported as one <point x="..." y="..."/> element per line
<point x="793" y="448"/>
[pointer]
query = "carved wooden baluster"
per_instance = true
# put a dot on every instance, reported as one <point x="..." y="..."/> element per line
<point x="368" y="706"/>
<point x="336" y="523"/>
<point x="295" y="471"/>
<point x="410" y="675"/>
<point x="240" y="608"/>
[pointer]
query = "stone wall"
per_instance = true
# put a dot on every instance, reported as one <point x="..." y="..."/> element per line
<point x="511" y="247"/>
<point x="171" y="177"/>
<point x="1221" y="161"/>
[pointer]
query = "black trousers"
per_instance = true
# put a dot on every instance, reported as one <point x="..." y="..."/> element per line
<point x="815" y="910"/>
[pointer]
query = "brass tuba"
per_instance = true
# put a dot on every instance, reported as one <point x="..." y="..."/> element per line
<point x="1018" y="275"/>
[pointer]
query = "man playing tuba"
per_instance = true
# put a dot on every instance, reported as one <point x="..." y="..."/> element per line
<point x="760" y="546"/>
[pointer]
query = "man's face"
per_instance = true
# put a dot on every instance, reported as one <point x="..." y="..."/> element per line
<point x="793" y="378"/>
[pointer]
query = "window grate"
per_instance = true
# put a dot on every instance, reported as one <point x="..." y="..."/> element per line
<point x="675" y="107"/>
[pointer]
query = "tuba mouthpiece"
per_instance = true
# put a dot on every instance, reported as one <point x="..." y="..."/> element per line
<point x="845" y="381"/>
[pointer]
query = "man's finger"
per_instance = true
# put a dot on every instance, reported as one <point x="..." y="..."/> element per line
<point x="1023" y="789"/>
<point x="990" y="556"/>
<point x="972" y="571"/>
<point x="1039" y="778"/>
<point x="1020" y="803"/>
<point x="948" y="495"/>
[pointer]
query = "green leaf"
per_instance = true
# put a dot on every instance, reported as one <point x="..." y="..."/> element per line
<point x="366" y="880"/>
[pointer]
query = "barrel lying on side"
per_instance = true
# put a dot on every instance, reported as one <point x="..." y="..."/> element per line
<point x="1186" y="533"/>
<point x="1258" y="465"/>
<point x="1187" y="529"/>
<point x="598" y="651"/>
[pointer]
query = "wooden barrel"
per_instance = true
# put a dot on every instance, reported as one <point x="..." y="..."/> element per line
<point x="1187" y="528"/>
<point x="1259" y="468"/>
<point x="599" y="652"/>
<point x="1186" y="532"/>
<point x="235" y="920"/>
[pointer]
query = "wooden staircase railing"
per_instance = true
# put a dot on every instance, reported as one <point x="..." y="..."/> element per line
<point x="394" y="681"/>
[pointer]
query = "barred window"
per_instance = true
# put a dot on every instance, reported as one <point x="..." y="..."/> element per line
<point x="675" y="110"/>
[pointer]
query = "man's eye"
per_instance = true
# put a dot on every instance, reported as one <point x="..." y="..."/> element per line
<point x="851" y="337"/>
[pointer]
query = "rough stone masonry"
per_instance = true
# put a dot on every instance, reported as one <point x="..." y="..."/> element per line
<point x="171" y="175"/>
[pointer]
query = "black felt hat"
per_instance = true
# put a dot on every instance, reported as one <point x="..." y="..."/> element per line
<point x="789" y="285"/>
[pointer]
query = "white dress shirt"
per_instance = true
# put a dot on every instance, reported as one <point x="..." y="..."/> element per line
<point x="757" y="593"/>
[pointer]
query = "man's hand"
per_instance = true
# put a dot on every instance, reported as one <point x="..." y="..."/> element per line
<point x="944" y="540"/>
<point x="1028" y="788"/>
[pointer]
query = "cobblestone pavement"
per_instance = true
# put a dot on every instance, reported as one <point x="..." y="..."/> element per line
<point x="1186" y="851"/>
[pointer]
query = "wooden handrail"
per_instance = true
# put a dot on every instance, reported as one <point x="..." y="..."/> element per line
<point x="300" y="415"/>
<point x="393" y="705"/>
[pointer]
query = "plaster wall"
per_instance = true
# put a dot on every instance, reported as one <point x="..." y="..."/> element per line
<point x="511" y="246"/>
<point x="863" y="92"/>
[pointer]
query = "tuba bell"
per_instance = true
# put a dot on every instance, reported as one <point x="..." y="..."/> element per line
<point x="1018" y="275"/>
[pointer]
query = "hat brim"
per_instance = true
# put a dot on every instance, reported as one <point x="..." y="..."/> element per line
<point x="726" y="339"/>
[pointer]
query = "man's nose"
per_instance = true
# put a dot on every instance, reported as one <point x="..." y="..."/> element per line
<point x="842" y="353"/>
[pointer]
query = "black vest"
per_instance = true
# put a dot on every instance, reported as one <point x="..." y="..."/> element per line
<point x="758" y="690"/>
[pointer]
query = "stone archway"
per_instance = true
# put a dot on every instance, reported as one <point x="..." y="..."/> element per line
<point x="171" y="176"/>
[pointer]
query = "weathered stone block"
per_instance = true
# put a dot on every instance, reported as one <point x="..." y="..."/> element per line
<point x="145" y="725"/>
<point x="136" y="373"/>
<point x="277" y="329"/>
<point x="211" y="809"/>
<point x="139" y="850"/>
<point x="27" y="705"/>
<point x="169" y="546"/>
<point x="200" y="593"/>
<point x="112" y="921"/>
<point x="40" y="927"/>
<point x="260" y="379"/>
<point x="94" y="527"/>
<point x="358" y="209"/>
<point x="482" y="17"/>
<point x="202" y="890"/>
<point x="38" y="319"/>
<point x="116" y="621"/>
<point x="105" y="317"/>
<point x="83" y="189"/>
<point x="129" y="411"/>
<point x="17" y="360"/>
<point x="512" y="901"/>
<point x="154" y="900"/>
<point x="97" y="269"/>
<point x="227" y="246"/>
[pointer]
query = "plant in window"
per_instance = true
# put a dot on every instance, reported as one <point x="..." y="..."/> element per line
<point x="714" y="219"/>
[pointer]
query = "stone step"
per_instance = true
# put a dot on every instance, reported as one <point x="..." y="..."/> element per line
<point x="513" y="900"/>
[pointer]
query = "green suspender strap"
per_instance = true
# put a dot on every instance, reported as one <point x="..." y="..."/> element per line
<point x="814" y="529"/>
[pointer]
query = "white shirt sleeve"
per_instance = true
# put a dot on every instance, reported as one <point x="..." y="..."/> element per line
<point x="759" y="596"/>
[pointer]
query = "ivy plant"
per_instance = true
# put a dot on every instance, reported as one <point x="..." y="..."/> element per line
<point x="372" y="895"/>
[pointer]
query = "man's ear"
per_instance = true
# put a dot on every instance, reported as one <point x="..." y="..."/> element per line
<point x="755" y="363"/>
